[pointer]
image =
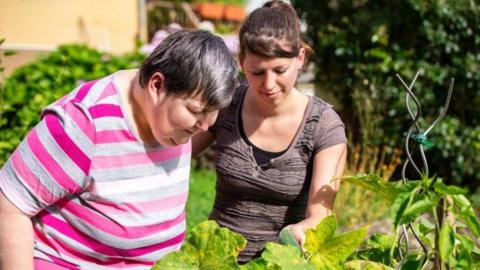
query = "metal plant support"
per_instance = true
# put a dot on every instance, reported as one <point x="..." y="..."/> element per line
<point x="418" y="138"/>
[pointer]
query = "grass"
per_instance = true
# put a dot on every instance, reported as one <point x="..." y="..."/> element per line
<point x="200" y="197"/>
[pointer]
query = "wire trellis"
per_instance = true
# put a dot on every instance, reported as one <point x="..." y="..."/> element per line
<point x="418" y="138"/>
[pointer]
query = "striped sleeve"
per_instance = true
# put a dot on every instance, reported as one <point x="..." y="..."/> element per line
<point x="52" y="161"/>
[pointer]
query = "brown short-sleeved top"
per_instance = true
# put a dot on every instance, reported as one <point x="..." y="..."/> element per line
<point x="259" y="200"/>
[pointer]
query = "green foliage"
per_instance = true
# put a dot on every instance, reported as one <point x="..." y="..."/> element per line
<point x="33" y="86"/>
<point x="360" y="45"/>
<point x="324" y="246"/>
<point x="210" y="247"/>
<point x="376" y="184"/>
<point x="456" y="234"/>
<point x="365" y="265"/>
<point x="276" y="256"/>
<point x="376" y="249"/>
<point x="452" y="136"/>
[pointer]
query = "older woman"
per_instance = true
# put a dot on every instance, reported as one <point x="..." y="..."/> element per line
<point x="101" y="182"/>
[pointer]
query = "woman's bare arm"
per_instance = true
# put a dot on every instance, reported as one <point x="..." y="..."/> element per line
<point x="328" y="164"/>
<point x="16" y="237"/>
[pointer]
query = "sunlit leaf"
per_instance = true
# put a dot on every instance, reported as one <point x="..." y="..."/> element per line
<point x="208" y="247"/>
<point x="465" y="212"/>
<point x="256" y="264"/>
<point x="285" y="257"/>
<point x="387" y="190"/>
<point x="443" y="189"/>
<point x="446" y="241"/>
<point x="323" y="245"/>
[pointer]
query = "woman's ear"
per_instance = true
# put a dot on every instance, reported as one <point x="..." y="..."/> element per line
<point x="156" y="86"/>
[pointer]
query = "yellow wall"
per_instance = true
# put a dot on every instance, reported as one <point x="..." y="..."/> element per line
<point x="108" y="25"/>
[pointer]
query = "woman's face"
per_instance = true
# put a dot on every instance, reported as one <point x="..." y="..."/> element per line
<point x="175" y="119"/>
<point x="272" y="79"/>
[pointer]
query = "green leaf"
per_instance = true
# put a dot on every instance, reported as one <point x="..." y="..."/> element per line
<point x="208" y="247"/>
<point x="446" y="241"/>
<point x="425" y="226"/>
<point x="285" y="257"/>
<point x="315" y="239"/>
<point x="464" y="250"/>
<point x="256" y="264"/>
<point x="324" y="263"/>
<point x="416" y="209"/>
<point x="466" y="213"/>
<point x="322" y="244"/>
<point x="186" y="259"/>
<point x="398" y="207"/>
<point x="387" y="190"/>
<point x="365" y="265"/>
<point x="376" y="249"/>
<point x="443" y="189"/>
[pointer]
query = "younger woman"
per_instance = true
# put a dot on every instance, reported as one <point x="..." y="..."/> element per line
<point x="277" y="149"/>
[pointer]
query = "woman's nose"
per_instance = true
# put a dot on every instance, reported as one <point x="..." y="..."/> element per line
<point x="207" y="120"/>
<point x="269" y="81"/>
<point x="202" y="125"/>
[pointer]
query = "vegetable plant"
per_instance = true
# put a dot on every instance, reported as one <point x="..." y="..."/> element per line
<point x="208" y="246"/>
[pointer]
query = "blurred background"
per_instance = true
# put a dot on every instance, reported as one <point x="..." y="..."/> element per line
<point x="47" y="47"/>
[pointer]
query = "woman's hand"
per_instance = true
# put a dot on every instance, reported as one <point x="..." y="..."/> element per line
<point x="298" y="232"/>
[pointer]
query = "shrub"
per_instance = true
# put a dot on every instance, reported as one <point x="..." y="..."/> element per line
<point x="360" y="45"/>
<point x="34" y="86"/>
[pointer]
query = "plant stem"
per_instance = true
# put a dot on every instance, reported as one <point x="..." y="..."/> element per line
<point x="392" y="249"/>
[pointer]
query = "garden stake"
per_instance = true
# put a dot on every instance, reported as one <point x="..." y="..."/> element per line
<point x="420" y="141"/>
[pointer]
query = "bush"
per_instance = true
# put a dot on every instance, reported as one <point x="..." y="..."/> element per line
<point x="360" y="45"/>
<point x="32" y="87"/>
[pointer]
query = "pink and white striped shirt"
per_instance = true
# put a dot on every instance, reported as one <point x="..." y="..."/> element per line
<point x="99" y="197"/>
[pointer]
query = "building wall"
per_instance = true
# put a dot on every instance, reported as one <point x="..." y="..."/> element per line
<point x="41" y="25"/>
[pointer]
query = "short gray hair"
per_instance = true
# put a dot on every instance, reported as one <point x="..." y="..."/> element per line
<point x="194" y="62"/>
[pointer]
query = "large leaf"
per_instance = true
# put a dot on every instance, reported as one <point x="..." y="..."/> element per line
<point x="323" y="245"/>
<point x="186" y="259"/>
<point x="315" y="239"/>
<point x="208" y="247"/>
<point x="465" y="212"/>
<point x="285" y="258"/>
<point x="365" y="265"/>
<point x="324" y="263"/>
<point x="374" y="183"/>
